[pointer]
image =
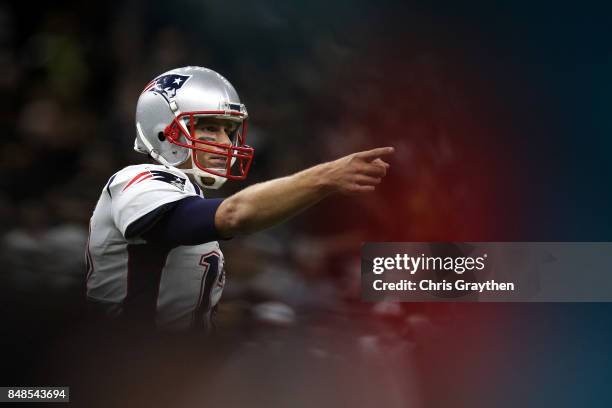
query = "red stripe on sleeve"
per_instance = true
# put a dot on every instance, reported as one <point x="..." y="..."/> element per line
<point x="144" y="173"/>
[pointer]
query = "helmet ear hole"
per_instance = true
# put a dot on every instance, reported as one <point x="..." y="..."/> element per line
<point x="161" y="136"/>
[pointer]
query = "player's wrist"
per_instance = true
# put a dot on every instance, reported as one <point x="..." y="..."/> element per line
<point x="324" y="179"/>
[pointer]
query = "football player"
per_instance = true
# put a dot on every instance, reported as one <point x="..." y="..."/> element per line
<point x="153" y="251"/>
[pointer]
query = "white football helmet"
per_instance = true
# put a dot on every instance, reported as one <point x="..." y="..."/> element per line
<point x="166" y="114"/>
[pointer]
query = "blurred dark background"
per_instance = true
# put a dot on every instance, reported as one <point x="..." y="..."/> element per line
<point x="500" y="117"/>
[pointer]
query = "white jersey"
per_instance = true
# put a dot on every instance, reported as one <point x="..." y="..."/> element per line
<point x="176" y="286"/>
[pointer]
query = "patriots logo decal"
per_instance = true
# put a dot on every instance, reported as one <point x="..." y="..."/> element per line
<point x="166" y="177"/>
<point x="167" y="85"/>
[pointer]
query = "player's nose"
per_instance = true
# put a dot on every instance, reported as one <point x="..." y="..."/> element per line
<point x="224" y="138"/>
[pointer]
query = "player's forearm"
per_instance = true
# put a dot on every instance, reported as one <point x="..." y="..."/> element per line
<point x="266" y="204"/>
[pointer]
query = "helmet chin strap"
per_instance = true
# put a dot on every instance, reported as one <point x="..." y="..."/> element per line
<point x="204" y="179"/>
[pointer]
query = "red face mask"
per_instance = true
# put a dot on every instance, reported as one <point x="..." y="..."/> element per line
<point x="238" y="152"/>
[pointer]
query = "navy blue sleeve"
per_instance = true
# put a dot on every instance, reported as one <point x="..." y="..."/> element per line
<point x="190" y="221"/>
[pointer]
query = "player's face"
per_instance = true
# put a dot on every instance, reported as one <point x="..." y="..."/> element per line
<point x="217" y="131"/>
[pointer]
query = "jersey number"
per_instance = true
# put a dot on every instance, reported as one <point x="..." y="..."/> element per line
<point x="210" y="262"/>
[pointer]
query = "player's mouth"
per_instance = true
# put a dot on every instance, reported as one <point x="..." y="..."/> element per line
<point x="217" y="161"/>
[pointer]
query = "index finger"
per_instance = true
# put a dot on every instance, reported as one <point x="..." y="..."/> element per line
<point x="375" y="153"/>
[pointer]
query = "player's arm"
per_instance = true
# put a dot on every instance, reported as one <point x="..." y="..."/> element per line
<point x="266" y="204"/>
